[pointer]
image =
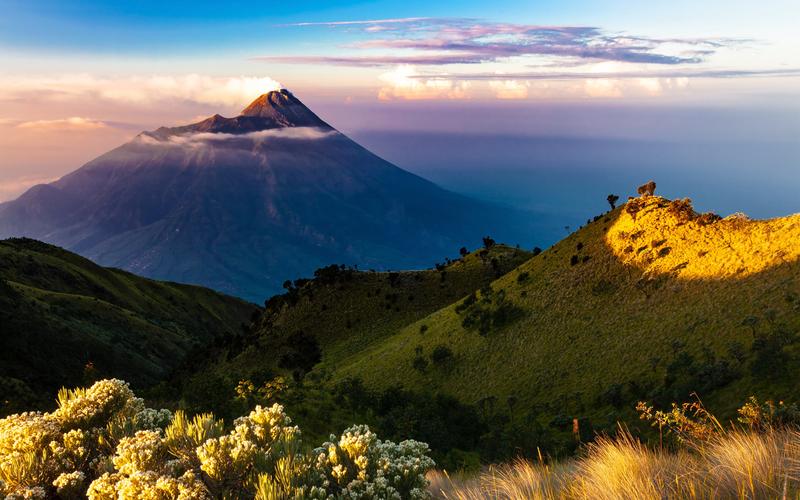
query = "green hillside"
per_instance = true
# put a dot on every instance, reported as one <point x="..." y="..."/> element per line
<point x="340" y="313"/>
<point x="64" y="320"/>
<point x="650" y="301"/>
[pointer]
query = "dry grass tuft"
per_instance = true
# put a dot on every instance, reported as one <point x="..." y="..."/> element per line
<point x="737" y="464"/>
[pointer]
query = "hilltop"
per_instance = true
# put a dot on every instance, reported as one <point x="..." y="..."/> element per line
<point x="65" y="321"/>
<point x="650" y="301"/>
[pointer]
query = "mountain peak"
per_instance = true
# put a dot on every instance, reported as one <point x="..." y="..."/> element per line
<point x="283" y="108"/>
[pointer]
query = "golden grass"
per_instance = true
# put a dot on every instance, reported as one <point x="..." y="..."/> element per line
<point x="660" y="242"/>
<point x="640" y="287"/>
<point x="743" y="465"/>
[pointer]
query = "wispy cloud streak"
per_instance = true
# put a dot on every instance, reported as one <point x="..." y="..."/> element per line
<point x="688" y="73"/>
<point x="432" y="41"/>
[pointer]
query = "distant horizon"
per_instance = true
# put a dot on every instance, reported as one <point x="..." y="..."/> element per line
<point x="84" y="77"/>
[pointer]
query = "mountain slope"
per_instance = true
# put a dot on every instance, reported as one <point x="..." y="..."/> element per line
<point x="63" y="319"/>
<point x="242" y="204"/>
<point x="341" y="312"/>
<point x="650" y="301"/>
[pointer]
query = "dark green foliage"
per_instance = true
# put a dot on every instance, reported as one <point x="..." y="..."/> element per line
<point x="613" y="396"/>
<point x="771" y="359"/>
<point x="466" y="303"/>
<point x="573" y="260"/>
<point x="488" y="242"/>
<point x="523" y="277"/>
<point x="492" y="312"/>
<point x="612" y="200"/>
<point x="686" y="374"/>
<point x="64" y="318"/>
<point x="334" y="274"/>
<point x="420" y="364"/>
<point x="441" y="355"/>
<point x="536" y="251"/>
<point x="302" y="354"/>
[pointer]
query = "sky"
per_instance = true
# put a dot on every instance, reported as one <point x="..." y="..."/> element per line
<point x="80" y="77"/>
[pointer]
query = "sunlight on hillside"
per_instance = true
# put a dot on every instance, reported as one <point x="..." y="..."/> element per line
<point x="664" y="237"/>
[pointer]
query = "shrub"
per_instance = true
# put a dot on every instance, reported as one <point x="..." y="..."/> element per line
<point x="682" y="209"/>
<point x="441" y="354"/>
<point x="103" y="443"/>
<point x="523" y="277"/>
<point x="488" y="242"/>
<point x="612" y="200"/>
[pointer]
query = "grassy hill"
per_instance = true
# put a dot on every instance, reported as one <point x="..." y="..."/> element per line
<point x="64" y="319"/>
<point x="650" y="301"/>
<point x="342" y="312"/>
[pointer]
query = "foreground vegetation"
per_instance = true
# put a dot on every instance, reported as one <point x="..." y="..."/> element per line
<point x="759" y="457"/>
<point x="102" y="442"/>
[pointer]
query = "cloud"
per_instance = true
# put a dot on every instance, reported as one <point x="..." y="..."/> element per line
<point x="370" y="22"/>
<point x="509" y="89"/>
<point x="206" y="138"/>
<point x="678" y="74"/>
<point x="402" y="83"/>
<point x="13" y="187"/>
<point x="138" y="89"/>
<point x="445" y="41"/>
<point x="63" y="124"/>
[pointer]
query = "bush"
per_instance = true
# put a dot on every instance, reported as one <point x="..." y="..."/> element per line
<point x="103" y="443"/>
<point x="441" y="354"/>
<point x="682" y="209"/>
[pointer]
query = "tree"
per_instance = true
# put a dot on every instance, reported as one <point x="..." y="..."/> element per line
<point x="463" y="251"/>
<point x="441" y="354"/>
<point x="488" y="242"/>
<point x="612" y="200"/>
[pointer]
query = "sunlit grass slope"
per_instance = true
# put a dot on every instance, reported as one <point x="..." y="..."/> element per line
<point x="648" y="301"/>
<point x="64" y="319"/>
<point x="346" y="312"/>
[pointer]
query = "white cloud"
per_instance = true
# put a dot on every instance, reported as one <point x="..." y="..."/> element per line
<point x="509" y="89"/>
<point x="403" y="83"/>
<point x="63" y="124"/>
<point x="139" y="89"/>
<point x="204" y="138"/>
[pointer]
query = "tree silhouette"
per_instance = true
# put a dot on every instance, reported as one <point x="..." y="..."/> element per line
<point x="612" y="200"/>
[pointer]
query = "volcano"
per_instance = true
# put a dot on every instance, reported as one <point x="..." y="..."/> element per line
<point x="241" y="204"/>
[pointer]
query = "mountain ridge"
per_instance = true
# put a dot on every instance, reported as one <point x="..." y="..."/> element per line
<point x="242" y="204"/>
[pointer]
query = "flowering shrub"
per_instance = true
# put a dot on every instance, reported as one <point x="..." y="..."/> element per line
<point x="103" y="443"/>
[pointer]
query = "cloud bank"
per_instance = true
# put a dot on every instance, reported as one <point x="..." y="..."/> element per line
<point x="432" y="41"/>
<point x="138" y="89"/>
<point x="208" y="138"/>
